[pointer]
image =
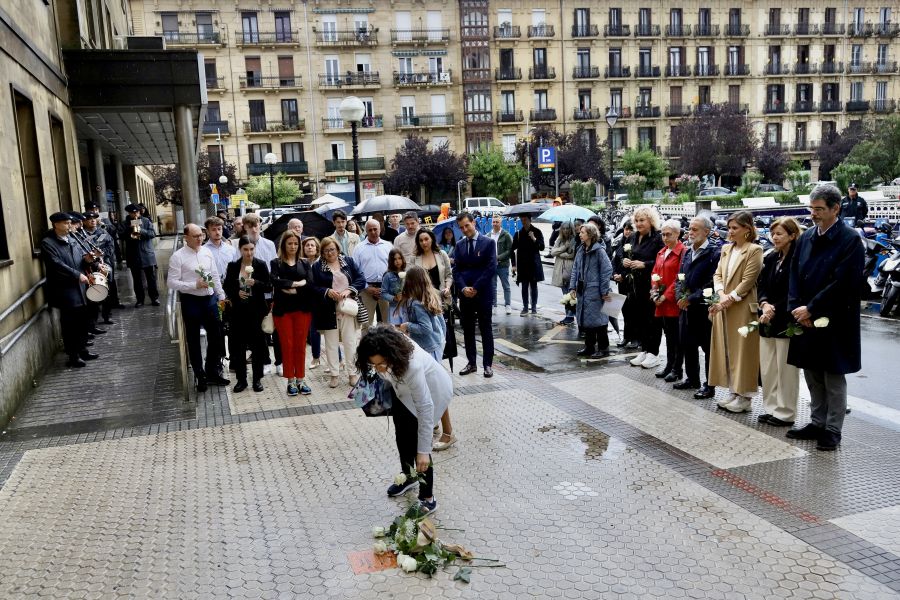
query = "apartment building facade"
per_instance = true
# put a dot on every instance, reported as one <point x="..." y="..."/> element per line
<point x="474" y="71"/>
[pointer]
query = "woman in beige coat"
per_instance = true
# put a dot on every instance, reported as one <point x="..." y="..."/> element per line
<point x="734" y="359"/>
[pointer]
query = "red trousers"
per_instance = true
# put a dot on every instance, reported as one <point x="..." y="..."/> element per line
<point x="293" y="328"/>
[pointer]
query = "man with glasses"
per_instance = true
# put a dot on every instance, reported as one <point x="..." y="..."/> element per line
<point x="371" y="257"/>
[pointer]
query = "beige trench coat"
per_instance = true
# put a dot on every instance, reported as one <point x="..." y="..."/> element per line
<point x="729" y="352"/>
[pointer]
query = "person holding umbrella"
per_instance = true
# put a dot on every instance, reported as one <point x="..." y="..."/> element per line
<point x="526" y="262"/>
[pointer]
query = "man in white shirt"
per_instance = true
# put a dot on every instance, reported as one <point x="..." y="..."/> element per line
<point x="191" y="269"/>
<point x="371" y="257"/>
<point x="406" y="241"/>
<point x="265" y="248"/>
<point x="222" y="251"/>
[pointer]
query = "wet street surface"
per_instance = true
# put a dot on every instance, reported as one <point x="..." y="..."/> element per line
<point x="586" y="479"/>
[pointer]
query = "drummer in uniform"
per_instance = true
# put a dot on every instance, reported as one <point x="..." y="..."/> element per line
<point x="64" y="265"/>
<point x="101" y="238"/>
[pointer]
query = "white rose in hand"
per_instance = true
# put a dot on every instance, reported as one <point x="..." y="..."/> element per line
<point x="821" y="322"/>
<point x="707" y="292"/>
<point x="655" y="278"/>
<point x="248" y="270"/>
<point x="627" y="247"/>
<point x="681" y="277"/>
<point x="402" y="274"/>
<point x="744" y="331"/>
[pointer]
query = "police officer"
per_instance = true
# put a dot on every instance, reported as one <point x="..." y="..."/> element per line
<point x="138" y="233"/>
<point x="64" y="264"/>
<point x="854" y="207"/>
<point x="100" y="238"/>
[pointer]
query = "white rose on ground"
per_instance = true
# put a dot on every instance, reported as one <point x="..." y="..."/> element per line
<point x="399" y="479"/>
<point x="378" y="532"/>
<point x="744" y="331"/>
<point x="627" y="247"/>
<point x="707" y="292"/>
<point x="821" y="322"/>
<point x="409" y="564"/>
<point x="379" y="548"/>
<point x="681" y="277"/>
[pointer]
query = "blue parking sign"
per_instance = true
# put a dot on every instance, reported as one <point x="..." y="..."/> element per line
<point x="546" y="158"/>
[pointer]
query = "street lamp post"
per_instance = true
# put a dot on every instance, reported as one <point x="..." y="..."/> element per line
<point x="611" y="117"/>
<point x="223" y="181"/>
<point x="459" y="194"/>
<point x="270" y="159"/>
<point x="352" y="109"/>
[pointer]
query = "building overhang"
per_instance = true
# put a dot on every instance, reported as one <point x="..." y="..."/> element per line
<point x="126" y="99"/>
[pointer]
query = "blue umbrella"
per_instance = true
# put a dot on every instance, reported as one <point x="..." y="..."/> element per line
<point x="566" y="212"/>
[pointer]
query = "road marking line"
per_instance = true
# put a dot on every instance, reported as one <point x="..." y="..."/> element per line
<point x="510" y="345"/>
<point x="548" y="337"/>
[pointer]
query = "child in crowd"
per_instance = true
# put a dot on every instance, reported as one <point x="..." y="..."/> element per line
<point x="392" y="284"/>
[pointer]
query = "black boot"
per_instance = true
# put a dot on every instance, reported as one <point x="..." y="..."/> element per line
<point x="586" y="351"/>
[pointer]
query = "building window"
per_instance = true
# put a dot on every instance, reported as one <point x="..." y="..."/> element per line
<point x="283" y="27"/>
<point x="540" y="100"/>
<point x="286" y="71"/>
<point x="4" y="244"/>
<point x="249" y="28"/>
<point x="439" y="141"/>
<point x="292" y="152"/>
<point x="169" y="25"/>
<point x="61" y="162"/>
<point x="258" y="152"/>
<point x="290" y="116"/>
<point x="205" y="31"/>
<point x="257" y="115"/>
<point x="30" y="160"/>
<point x="212" y="111"/>
<point x="212" y="77"/>
<point x="253" y="69"/>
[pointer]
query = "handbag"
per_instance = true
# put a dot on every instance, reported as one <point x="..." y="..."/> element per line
<point x="348" y="307"/>
<point x="372" y="395"/>
<point x="268" y="324"/>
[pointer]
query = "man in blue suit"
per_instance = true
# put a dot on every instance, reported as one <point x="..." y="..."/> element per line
<point x="698" y="266"/>
<point x="474" y="270"/>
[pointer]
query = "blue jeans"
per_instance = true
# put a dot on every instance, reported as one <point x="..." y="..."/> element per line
<point x="503" y="276"/>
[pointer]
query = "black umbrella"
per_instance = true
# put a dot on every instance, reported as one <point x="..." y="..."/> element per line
<point x="315" y="224"/>
<point x="385" y="204"/>
<point x="527" y="209"/>
<point x="429" y="209"/>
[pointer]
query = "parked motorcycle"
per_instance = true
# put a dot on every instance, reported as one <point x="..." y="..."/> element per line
<point x="890" y="281"/>
<point x="878" y="250"/>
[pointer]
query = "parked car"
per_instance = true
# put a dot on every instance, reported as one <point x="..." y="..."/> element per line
<point x="653" y="195"/>
<point x="770" y="187"/>
<point x="483" y="205"/>
<point x="716" y="191"/>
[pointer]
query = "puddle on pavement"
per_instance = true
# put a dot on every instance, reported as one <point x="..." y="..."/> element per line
<point x="597" y="445"/>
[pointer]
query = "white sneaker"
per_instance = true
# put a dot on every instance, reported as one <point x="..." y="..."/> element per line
<point x="508" y="309"/>
<point x="280" y="370"/>
<point x="726" y="401"/>
<point x="739" y="405"/>
<point x="650" y="361"/>
<point x="637" y="360"/>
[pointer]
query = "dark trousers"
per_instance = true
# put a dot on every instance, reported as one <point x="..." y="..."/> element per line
<point x="472" y="310"/>
<point x="630" y="316"/>
<point x="596" y="338"/>
<point x="828" y="399"/>
<point x="112" y="300"/>
<point x="674" y="352"/>
<point x="93" y="314"/>
<point x="73" y="322"/>
<point x="695" y="330"/>
<point x="648" y="327"/>
<point x="532" y="286"/>
<point x="197" y="312"/>
<point x="246" y="334"/>
<point x="137" y="279"/>
<point x="315" y="340"/>
<point x="406" y="428"/>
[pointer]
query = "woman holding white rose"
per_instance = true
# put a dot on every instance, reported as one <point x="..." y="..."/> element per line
<point x="780" y="380"/>
<point x="662" y="291"/>
<point x="246" y="283"/>
<point x="734" y="358"/>
<point x="637" y="262"/>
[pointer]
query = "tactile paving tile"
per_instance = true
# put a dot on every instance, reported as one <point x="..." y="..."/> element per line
<point x="880" y="527"/>
<point x="271" y="509"/>
<point x="688" y="427"/>
<point x="274" y="395"/>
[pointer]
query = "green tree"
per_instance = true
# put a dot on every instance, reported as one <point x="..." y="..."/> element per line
<point x="881" y="152"/>
<point x="493" y="175"/>
<point x="417" y="165"/>
<point x="847" y="172"/>
<point x="645" y="162"/>
<point x="259" y="190"/>
<point x="583" y="192"/>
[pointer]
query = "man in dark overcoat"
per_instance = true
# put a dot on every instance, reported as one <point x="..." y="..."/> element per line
<point x="139" y="233"/>
<point x="823" y="297"/>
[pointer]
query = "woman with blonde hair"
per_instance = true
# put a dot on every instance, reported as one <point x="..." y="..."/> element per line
<point x="638" y="257"/>
<point x="734" y="358"/>
<point x="780" y="380"/>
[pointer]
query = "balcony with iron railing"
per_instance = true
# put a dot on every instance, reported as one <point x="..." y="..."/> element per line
<point x="477" y="116"/>
<point x="424" y="37"/>
<point x="678" y="31"/>
<point x="776" y="30"/>
<point x="422" y="78"/>
<point x="887" y="66"/>
<point x="678" y="71"/>
<point x="471" y="76"/>
<point x="859" y="68"/>
<point x="828" y="28"/>
<point x="624" y="112"/>
<point x="804" y="146"/>
<point x="776" y="69"/>
<point x="262" y="126"/>
<point x="508" y="74"/>
<point x="288" y="168"/>
<point x="733" y="70"/>
<point x="586" y="72"/>
<point x="858" y="106"/>
<point x="703" y="108"/>
<point x="860" y="30"/>
<point x="260" y="82"/>
<point x="830" y="106"/>
<point x="586" y="114"/>
<point x="585" y="31"/>
<point x="616" y="72"/>
<point x="741" y="108"/>
<point x="806" y="29"/>
<point x="646" y="30"/>
<point x="507" y="32"/>
<point x="706" y="30"/>
<point x="510" y="116"/>
<point x="737" y="30"/>
<point x="337" y="124"/>
<point x="346" y="38"/>
<point x="775" y="144"/>
<point x="616" y="30"/>
<point x="706" y="70"/>
<point x="475" y="32"/>
<point x="804" y="106"/>
<point x="215" y="127"/>
<point x="185" y="38"/>
<point x="424" y="121"/>
<point x="883" y="105"/>
<point x="351" y="79"/>
<point x="541" y="31"/>
<point x="247" y="39"/>
<point x="543" y="114"/>
<point x="541" y="73"/>
<point x="886" y="29"/>
<point x="215" y="83"/>
<point x="831" y="68"/>
<point x="647" y="71"/>
<point x="775" y="107"/>
<point x="678" y="110"/>
<point x="345" y="165"/>
<point x="647" y="112"/>
<point x="805" y="68"/>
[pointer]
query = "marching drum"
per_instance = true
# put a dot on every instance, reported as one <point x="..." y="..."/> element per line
<point x="98" y="289"/>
